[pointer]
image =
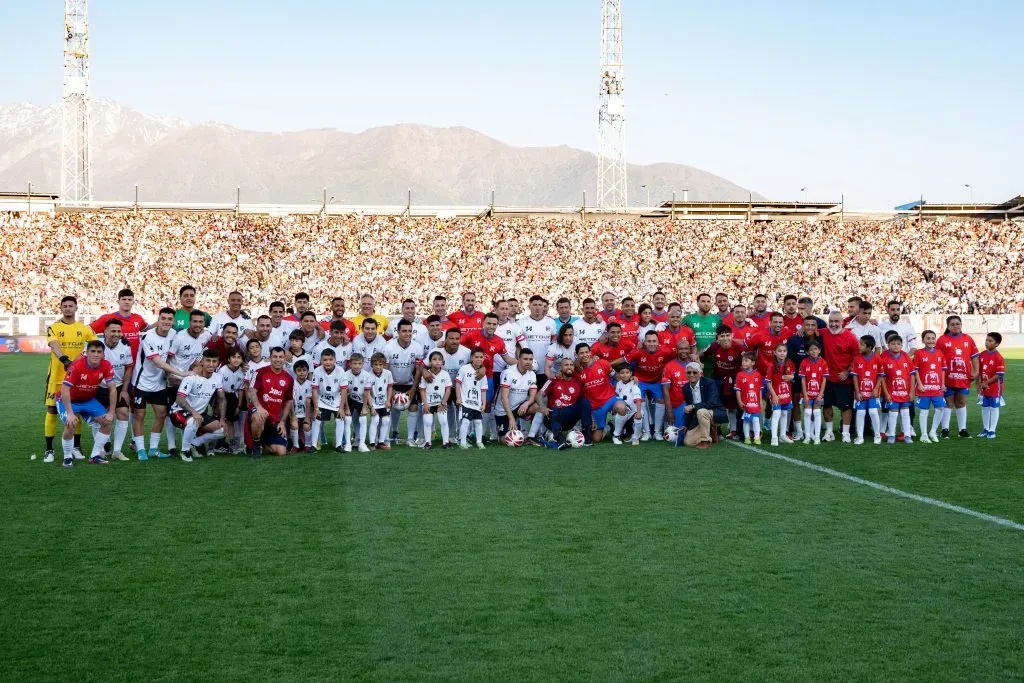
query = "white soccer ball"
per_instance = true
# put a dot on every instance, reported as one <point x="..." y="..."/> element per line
<point x="514" y="438"/>
<point x="575" y="439"/>
<point x="400" y="401"/>
<point x="671" y="432"/>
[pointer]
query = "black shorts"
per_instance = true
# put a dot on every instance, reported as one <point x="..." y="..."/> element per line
<point x="180" y="419"/>
<point x="161" y="397"/>
<point x="431" y="409"/>
<point x="355" y="408"/>
<point x="326" y="415"/>
<point x="383" y="412"/>
<point x="471" y="414"/>
<point x="231" y="406"/>
<point x="270" y="437"/>
<point x="838" y="396"/>
<point x="103" y="396"/>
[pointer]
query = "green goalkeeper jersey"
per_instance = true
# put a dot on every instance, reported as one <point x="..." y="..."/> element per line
<point x="181" y="317"/>
<point x="704" y="328"/>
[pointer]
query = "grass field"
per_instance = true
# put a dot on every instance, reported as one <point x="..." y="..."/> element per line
<point x="611" y="563"/>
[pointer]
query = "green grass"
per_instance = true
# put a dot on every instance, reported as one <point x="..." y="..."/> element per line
<point x="602" y="564"/>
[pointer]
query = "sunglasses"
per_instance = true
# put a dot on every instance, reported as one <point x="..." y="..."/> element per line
<point x="692" y="372"/>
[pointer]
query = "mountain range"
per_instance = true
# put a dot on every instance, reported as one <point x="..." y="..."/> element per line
<point x="173" y="160"/>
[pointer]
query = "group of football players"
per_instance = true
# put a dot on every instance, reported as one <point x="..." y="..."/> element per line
<point x="273" y="383"/>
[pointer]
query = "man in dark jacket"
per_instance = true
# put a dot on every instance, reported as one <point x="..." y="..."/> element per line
<point x="704" y="410"/>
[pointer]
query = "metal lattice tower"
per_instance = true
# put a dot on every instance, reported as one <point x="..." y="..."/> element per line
<point x="611" y="117"/>
<point x="75" y="171"/>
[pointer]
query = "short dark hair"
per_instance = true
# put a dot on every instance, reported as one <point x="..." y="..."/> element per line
<point x="432" y="319"/>
<point x="563" y="300"/>
<point x="588" y="300"/>
<point x="275" y="304"/>
<point x="227" y="325"/>
<point x="894" y="302"/>
<point x="865" y="305"/>
<point x="126" y="292"/>
<point x="806" y="300"/>
<point x="301" y="296"/>
<point x="301" y="364"/>
<point x="492" y="314"/>
<point x="186" y="288"/>
<point x="94" y="344"/>
<point x="68" y="298"/>
<point x="166" y="309"/>
<point x="262" y="317"/>
<point x="327" y="352"/>
<point x="403" y="323"/>
<point x="722" y="329"/>
<point x="789" y="297"/>
<point x="276" y="349"/>
<point x="644" y="307"/>
<point x="337" y="326"/>
<point x="535" y="298"/>
<point x="296" y="334"/>
<point x="193" y="314"/>
<point x="868" y="341"/>
<point x="308" y="314"/>
<point x="369" y="321"/>
<point x="112" y="321"/>
<point x="610" y="325"/>
<point x="581" y="346"/>
<point x="210" y="353"/>
<point x="996" y="336"/>
<point x="775" y="315"/>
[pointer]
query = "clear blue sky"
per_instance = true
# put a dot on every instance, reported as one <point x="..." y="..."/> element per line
<point x="880" y="100"/>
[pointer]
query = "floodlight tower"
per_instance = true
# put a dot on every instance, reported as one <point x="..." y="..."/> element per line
<point x="611" y="117"/>
<point x="75" y="171"/>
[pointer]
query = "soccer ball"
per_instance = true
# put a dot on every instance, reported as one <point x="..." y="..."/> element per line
<point x="574" y="438"/>
<point x="671" y="432"/>
<point x="514" y="438"/>
<point x="400" y="401"/>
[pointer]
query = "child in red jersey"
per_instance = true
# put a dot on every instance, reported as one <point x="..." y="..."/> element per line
<point x="866" y="372"/>
<point x="992" y="368"/>
<point x="897" y="388"/>
<point x="813" y="377"/>
<point x="930" y="385"/>
<point x="780" y="392"/>
<point x="749" y="383"/>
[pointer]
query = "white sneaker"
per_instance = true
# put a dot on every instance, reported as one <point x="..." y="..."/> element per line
<point x="817" y="441"/>
<point x="807" y="440"/>
<point x="616" y="440"/>
<point x="194" y="453"/>
<point x="186" y="457"/>
<point x="924" y="439"/>
<point x="363" y="448"/>
<point x="636" y="441"/>
<point x="859" y="441"/>
<point x="118" y="455"/>
<point x="480" y="445"/>
<point x="658" y="436"/>
<point x="347" y="448"/>
<point x="934" y="436"/>
<point x="79" y="455"/>
<point x="48" y="457"/>
<point x="829" y="436"/>
<point x="786" y="439"/>
<point x="463" y="445"/>
<point x="846" y="438"/>
<point x="775" y="441"/>
<point x="878" y="439"/>
<point x="798" y="435"/>
<point x="645" y="437"/>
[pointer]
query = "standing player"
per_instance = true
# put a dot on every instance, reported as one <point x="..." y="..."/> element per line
<point x="563" y="347"/>
<point x="379" y="392"/>
<point x="455" y="358"/>
<point x="813" y="374"/>
<point x="353" y="400"/>
<point x="761" y="316"/>
<point x="749" y="383"/>
<point x="659" y="307"/>
<point x="405" y="361"/>
<point x="369" y="343"/>
<point x="78" y="399"/>
<point x="839" y="348"/>
<point x="629" y="319"/>
<point x="150" y="385"/>
<point x="743" y="331"/>
<point x="270" y="406"/>
<point x="726" y="356"/>
<point x="301" y="304"/>
<point x="673" y="380"/>
<point x="67" y="339"/>
<point x="189" y="410"/>
<point x="791" y="319"/>
<point x="338" y="315"/>
<point x="229" y="400"/>
<point x="780" y="392"/>
<point x="563" y="307"/>
<point x="897" y="388"/>
<point x="704" y="323"/>
<point x="187" y="304"/>
<point x="469" y="319"/>
<point x="590" y="328"/>
<point x="901" y="327"/>
<point x="493" y="347"/>
<point x="434" y="397"/>
<point x="595" y="374"/>
<point x="517" y="395"/>
<point x="866" y="372"/>
<point x="132" y="324"/>
<point x="608" y="310"/>
<point x="337" y="341"/>
<point x="929" y="382"/>
<point x="722" y="304"/>
<point x="186" y="349"/>
<point x="367" y="311"/>
<point x="961" y="354"/>
<point x="302" y="397"/>
<point x="120" y="357"/>
<point x="992" y="369"/>
<point x="470" y="396"/>
<point x="234" y="314"/>
<point x="646" y="323"/>
<point x="325" y="402"/>
<point x="226" y="343"/>
<point x="649" y="361"/>
<point x="538" y="332"/>
<point x="670" y="332"/>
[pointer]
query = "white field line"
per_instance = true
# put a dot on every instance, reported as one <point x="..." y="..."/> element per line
<point x="887" y="489"/>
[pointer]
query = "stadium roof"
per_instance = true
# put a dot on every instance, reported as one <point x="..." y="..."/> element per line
<point x="748" y="210"/>
<point x="1011" y="208"/>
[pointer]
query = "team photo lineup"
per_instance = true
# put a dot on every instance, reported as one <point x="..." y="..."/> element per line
<point x="520" y="373"/>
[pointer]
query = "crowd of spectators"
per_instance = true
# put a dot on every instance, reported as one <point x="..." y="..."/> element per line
<point x="933" y="266"/>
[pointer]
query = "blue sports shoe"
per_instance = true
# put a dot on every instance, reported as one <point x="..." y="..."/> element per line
<point x="991" y="435"/>
<point x="983" y="434"/>
<point x="891" y="439"/>
<point x="158" y="454"/>
<point x="142" y="455"/>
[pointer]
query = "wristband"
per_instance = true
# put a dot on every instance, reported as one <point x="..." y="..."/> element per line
<point x="65" y="361"/>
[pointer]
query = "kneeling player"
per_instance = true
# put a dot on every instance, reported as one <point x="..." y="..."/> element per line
<point x="434" y="399"/>
<point x="78" y="400"/>
<point x="270" y="406"/>
<point x="566" y="405"/>
<point x="189" y="410"/>
<point x="516" y="397"/>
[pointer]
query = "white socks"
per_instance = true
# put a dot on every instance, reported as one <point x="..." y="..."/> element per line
<point x="989" y="419"/>
<point x="946" y="414"/>
<point x="875" y="422"/>
<point x="120" y="432"/>
<point x="99" y="443"/>
<point x="154" y="441"/>
<point x="171" y="431"/>
<point x="188" y="434"/>
<point x="754" y="425"/>
<point x="478" y="427"/>
<point x="961" y="418"/>
<point x="537" y="424"/>
<point x="68" y="446"/>
<point x="780" y="423"/>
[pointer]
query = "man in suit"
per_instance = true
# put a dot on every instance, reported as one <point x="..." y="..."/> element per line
<point x="704" y="410"/>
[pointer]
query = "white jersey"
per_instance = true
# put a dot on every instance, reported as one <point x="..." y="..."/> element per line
<point x="868" y="330"/>
<point x="557" y="353"/>
<point x="642" y="331"/>
<point x="435" y="389"/>
<point x="587" y="333"/>
<point x="186" y="349"/>
<point x="289" y="365"/>
<point x="453" y="362"/>
<point x="906" y="332"/>
<point x="629" y="392"/>
<point x="231" y="381"/>
<point x="328" y="387"/>
<point x="426" y="343"/>
<point x="538" y="335"/>
<point x="368" y="348"/>
<point x="120" y="357"/>
<point x="309" y="343"/>
<point x="518" y="384"/>
<point x="197" y="391"/>
<point x="402" y="361"/>
<point x="148" y="377"/>
<point x="511" y="335"/>
<point x="252" y="368"/>
<point x="357" y="384"/>
<point x="243" y="321"/>
<point x="379" y="385"/>
<point x="300" y="392"/>
<point x="471" y="390"/>
<point x="279" y="334"/>
<point x="342" y="353"/>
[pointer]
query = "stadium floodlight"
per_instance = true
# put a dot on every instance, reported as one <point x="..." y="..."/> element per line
<point x="75" y="166"/>
<point x="611" y="116"/>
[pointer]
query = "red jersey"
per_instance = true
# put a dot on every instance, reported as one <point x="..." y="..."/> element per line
<point x="273" y="390"/>
<point x="748" y="390"/>
<point x="649" y="366"/>
<point x="350" y="327"/>
<point x="83" y="380"/>
<point x="782" y="388"/>
<point x="605" y="316"/>
<point x="659" y="317"/>
<point x="897" y="371"/>
<point x="728" y="318"/>
<point x="763" y="320"/>
<point x="612" y="353"/>
<point x="794" y="324"/>
<point x="991" y="364"/>
<point x="669" y="339"/>
<point x="562" y="393"/>
<point x="467" y="322"/>
<point x="492" y="346"/>
<point x="765" y="343"/>
<point x="223" y="350"/>
<point x="813" y="373"/>
<point x="839" y="351"/>
<point x="597" y="385"/>
<point x="743" y="335"/>
<point x="958" y="351"/>
<point x="727" y="360"/>
<point x="930" y="368"/>
<point x="867" y="370"/>
<point x="132" y="327"/>
<point x="674" y="375"/>
<point x="630" y="328"/>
